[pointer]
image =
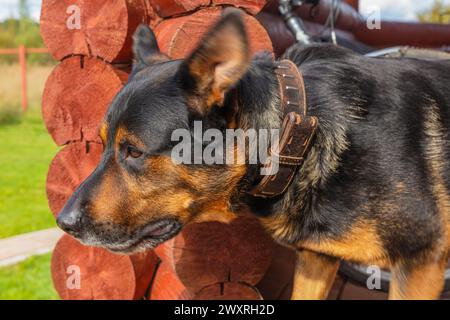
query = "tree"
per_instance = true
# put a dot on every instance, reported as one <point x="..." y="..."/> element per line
<point x="439" y="13"/>
<point x="24" y="10"/>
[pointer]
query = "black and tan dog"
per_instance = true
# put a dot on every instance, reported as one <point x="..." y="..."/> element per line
<point x="374" y="188"/>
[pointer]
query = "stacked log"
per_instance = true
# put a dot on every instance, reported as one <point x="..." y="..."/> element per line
<point x="231" y="265"/>
<point x="92" y="41"/>
<point x="76" y="97"/>
<point x="101" y="29"/>
<point x="179" y="36"/>
<point x="88" y="273"/>
<point x="70" y="167"/>
<point x="172" y="8"/>
<point x="210" y="260"/>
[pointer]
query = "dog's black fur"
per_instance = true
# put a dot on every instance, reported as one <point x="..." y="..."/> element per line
<point x="372" y="137"/>
<point x="374" y="187"/>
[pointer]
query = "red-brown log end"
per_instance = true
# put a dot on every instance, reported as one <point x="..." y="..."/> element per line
<point x="88" y="273"/>
<point x="76" y="97"/>
<point x="228" y="291"/>
<point x="213" y="252"/>
<point x="93" y="28"/>
<point x="167" y="286"/>
<point x="251" y="6"/>
<point x="178" y="37"/>
<point x="70" y="167"/>
<point x="169" y="8"/>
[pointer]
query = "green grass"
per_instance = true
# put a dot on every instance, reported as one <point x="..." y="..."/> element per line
<point x="9" y="114"/>
<point x="26" y="150"/>
<point x="29" y="280"/>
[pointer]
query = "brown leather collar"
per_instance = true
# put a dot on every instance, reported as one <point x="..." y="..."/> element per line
<point x="297" y="132"/>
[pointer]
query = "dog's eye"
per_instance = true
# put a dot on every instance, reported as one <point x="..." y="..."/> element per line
<point x="133" y="152"/>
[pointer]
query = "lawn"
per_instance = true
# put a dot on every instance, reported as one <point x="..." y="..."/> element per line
<point x="26" y="150"/>
<point x="29" y="280"/>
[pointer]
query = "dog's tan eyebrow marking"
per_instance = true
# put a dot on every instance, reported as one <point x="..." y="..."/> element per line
<point x="122" y="134"/>
<point x="103" y="132"/>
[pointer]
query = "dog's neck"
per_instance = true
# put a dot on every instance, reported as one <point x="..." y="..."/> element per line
<point x="259" y="108"/>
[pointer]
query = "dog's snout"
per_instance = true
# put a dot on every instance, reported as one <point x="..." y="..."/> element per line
<point x="72" y="216"/>
<point x="70" y="221"/>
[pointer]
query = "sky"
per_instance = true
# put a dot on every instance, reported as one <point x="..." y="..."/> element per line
<point x="403" y="10"/>
<point x="8" y="8"/>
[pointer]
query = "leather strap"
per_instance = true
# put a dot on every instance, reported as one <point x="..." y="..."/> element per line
<point x="297" y="132"/>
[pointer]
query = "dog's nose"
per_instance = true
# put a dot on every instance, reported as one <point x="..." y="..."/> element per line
<point x="70" y="221"/>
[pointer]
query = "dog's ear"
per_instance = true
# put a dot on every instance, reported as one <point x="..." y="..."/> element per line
<point x="218" y="63"/>
<point x="145" y="47"/>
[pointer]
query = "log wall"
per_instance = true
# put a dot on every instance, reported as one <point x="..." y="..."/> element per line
<point x="92" y="40"/>
<point x="207" y="260"/>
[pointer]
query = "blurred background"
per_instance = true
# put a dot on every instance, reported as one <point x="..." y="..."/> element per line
<point x="26" y="148"/>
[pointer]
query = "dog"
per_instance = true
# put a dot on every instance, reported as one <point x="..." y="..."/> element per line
<point x="374" y="187"/>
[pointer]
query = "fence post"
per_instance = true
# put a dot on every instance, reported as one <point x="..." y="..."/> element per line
<point x="23" y="70"/>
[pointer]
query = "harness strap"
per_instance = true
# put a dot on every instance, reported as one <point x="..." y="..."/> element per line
<point x="297" y="132"/>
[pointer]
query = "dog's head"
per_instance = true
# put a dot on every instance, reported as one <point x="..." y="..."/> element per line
<point x="138" y="197"/>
